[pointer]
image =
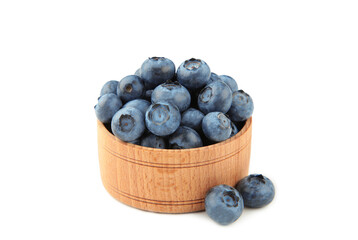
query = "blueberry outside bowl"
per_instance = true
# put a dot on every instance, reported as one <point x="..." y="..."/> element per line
<point x="170" y="180"/>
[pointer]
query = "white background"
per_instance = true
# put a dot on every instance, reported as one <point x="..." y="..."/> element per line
<point x="297" y="59"/>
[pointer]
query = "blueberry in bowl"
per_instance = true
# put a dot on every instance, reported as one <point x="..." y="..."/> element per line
<point x="162" y="118"/>
<point x="184" y="138"/>
<point x="215" y="97"/>
<point x="128" y="124"/>
<point x="216" y="126"/>
<point x="140" y="104"/>
<point x="107" y="106"/>
<point x="153" y="141"/>
<point x="193" y="74"/>
<point x="224" y="204"/>
<point x="257" y="190"/>
<point x="192" y="118"/>
<point x="230" y="82"/>
<point x="156" y="70"/>
<point x="130" y="87"/>
<point x="172" y="92"/>
<point x="242" y="106"/>
<point x="109" y="87"/>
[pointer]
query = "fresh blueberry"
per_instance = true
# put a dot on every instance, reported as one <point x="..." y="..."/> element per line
<point x="137" y="73"/>
<point x="224" y="204"/>
<point x="128" y="124"/>
<point x="192" y="118"/>
<point x="153" y="141"/>
<point x="216" y="126"/>
<point x="229" y="81"/>
<point x="242" y="106"/>
<point x="107" y="106"/>
<point x="162" y="118"/>
<point x="140" y="104"/>
<point x="213" y="77"/>
<point x="130" y="87"/>
<point x="234" y="130"/>
<point x="215" y="97"/>
<point x="257" y="190"/>
<point x="136" y="142"/>
<point x="174" y="93"/>
<point x="193" y="74"/>
<point x="157" y="70"/>
<point x="109" y="87"/>
<point x="185" y="137"/>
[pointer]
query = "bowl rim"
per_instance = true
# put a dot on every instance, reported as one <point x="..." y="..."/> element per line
<point x="244" y="130"/>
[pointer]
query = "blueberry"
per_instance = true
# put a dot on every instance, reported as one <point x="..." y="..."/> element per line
<point x="193" y="74"/>
<point x="234" y="130"/>
<point x="224" y="204"/>
<point x="128" y="124"/>
<point x="157" y="70"/>
<point x="174" y="93"/>
<point x="192" y="118"/>
<point x="148" y="95"/>
<point x="107" y="106"/>
<point x="257" y="190"/>
<point x="153" y="141"/>
<point x="140" y="104"/>
<point x="230" y="82"/>
<point x="136" y="141"/>
<point x="137" y="73"/>
<point x="215" y="97"/>
<point x="130" y="87"/>
<point x="216" y="126"/>
<point x="213" y="77"/>
<point x="242" y="106"/>
<point x="109" y="87"/>
<point x="162" y="118"/>
<point x="185" y="137"/>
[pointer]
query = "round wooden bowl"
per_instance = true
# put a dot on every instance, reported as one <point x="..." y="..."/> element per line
<point x="168" y="180"/>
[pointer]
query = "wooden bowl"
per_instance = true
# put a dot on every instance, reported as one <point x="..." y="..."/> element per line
<point x="168" y="180"/>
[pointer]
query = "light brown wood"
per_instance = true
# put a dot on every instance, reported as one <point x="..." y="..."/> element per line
<point x="166" y="180"/>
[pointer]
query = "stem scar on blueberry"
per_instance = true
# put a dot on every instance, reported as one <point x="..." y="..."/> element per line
<point x="128" y="88"/>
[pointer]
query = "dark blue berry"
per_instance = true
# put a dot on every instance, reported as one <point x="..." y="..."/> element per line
<point x="224" y="204"/>
<point x="257" y="190"/>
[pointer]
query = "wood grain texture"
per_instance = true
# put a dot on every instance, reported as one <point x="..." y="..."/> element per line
<point x="166" y="180"/>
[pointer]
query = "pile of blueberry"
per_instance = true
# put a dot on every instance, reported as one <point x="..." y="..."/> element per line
<point x="161" y="107"/>
<point x="224" y="204"/>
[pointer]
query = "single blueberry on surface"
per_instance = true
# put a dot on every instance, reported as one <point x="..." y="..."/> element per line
<point x="230" y="82"/>
<point x="174" y="93"/>
<point x="140" y="104"/>
<point x="185" y="137"/>
<point x="216" y="126"/>
<point x="242" y="106"/>
<point x="130" y="87"/>
<point x="192" y="118"/>
<point x="256" y="190"/>
<point x="157" y="70"/>
<point x="224" y="204"/>
<point x="107" y="106"/>
<point x="193" y="74"/>
<point x="128" y="124"/>
<point x="215" y="97"/>
<point x="109" y="87"/>
<point x="162" y="118"/>
<point x="153" y="141"/>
